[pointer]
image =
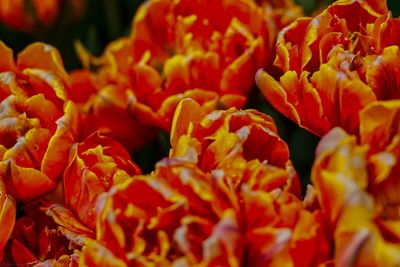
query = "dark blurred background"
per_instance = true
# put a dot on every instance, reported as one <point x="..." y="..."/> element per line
<point x="106" y="20"/>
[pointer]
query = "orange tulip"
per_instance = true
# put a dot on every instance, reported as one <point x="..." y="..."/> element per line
<point x="349" y="45"/>
<point x="35" y="138"/>
<point x="106" y="99"/>
<point x="242" y="144"/>
<point x="380" y="129"/>
<point x="188" y="40"/>
<point x="38" y="70"/>
<point x="357" y="185"/>
<point x="38" y="124"/>
<point x="217" y="200"/>
<point x="94" y="166"/>
<point x="178" y="49"/>
<point x="196" y="218"/>
<point x="198" y="48"/>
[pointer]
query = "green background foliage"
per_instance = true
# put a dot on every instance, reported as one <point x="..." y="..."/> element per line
<point x="106" y="20"/>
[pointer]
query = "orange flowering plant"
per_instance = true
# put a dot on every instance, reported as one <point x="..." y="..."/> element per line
<point x="334" y="65"/>
<point x="226" y="141"/>
<point x="177" y="49"/>
<point x="224" y="188"/>
<point x="94" y="166"/>
<point x="204" y="213"/>
<point x="40" y="128"/>
<point x="357" y="183"/>
<point x="38" y="123"/>
<point x="196" y="218"/>
<point x="35" y="239"/>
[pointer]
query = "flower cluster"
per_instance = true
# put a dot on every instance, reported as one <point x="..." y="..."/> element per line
<point x="44" y="153"/>
<point x="340" y="81"/>
<point x="227" y="194"/>
<point x="176" y="50"/>
<point x="217" y="200"/>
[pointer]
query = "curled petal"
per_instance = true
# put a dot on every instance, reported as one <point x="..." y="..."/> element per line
<point x="64" y="218"/>
<point x="382" y="73"/>
<point x="187" y="112"/>
<point x="43" y="56"/>
<point x="95" y="254"/>
<point x="23" y="183"/>
<point x="34" y="157"/>
<point x="359" y="219"/>
<point x="7" y="58"/>
<point x="66" y="134"/>
<point x="380" y="129"/>
<point x="94" y="166"/>
<point x="379" y="124"/>
<point x="302" y="106"/>
<point x="337" y="92"/>
<point x="7" y="219"/>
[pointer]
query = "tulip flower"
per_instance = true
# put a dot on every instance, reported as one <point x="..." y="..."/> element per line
<point x="94" y="166"/>
<point x="334" y="65"/>
<point x="356" y="181"/>
<point x="242" y="144"/>
<point x="37" y="239"/>
<point x="204" y="211"/>
<point x="176" y="50"/>
<point x="38" y="124"/>
<point x="195" y="218"/>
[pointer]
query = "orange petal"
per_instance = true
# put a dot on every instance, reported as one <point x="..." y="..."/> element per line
<point x="340" y="102"/>
<point x="29" y="149"/>
<point x="382" y="73"/>
<point x="48" y="83"/>
<point x="55" y="158"/>
<point x="39" y="107"/>
<point x="288" y="48"/>
<point x="295" y="98"/>
<point x="43" y="56"/>
<point x="25" y="184"/>
<point x="95" y="165"/>
<point x="6" y="58"/>
<point x="7" y="219"/>
<point x="97" y="255"/>
<point x="379" y="124"/>
<point x="64" y="218"/>
<point x="187" y="112"/>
